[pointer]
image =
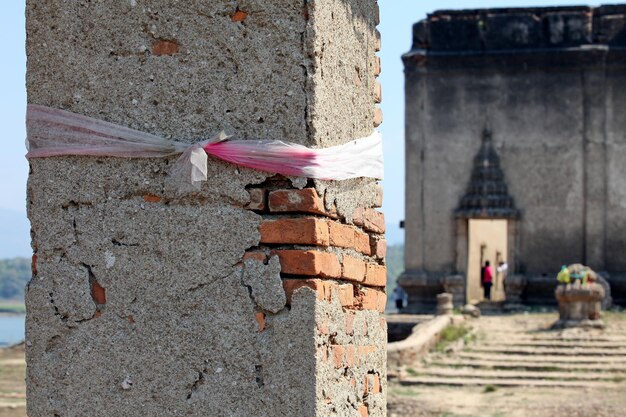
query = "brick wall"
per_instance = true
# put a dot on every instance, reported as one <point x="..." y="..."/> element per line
<point x="317" y="249"/>
<point x="344" y="265"/>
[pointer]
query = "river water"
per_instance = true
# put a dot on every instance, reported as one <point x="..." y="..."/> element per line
<point x="11" y="329"/>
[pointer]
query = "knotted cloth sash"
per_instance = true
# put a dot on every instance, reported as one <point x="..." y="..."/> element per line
<point x="54" y="132"/>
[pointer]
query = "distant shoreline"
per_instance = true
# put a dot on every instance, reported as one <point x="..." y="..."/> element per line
<point x="12" y="307"/>
<point x="12" y="313"/>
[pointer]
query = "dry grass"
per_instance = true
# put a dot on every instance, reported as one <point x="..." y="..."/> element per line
<point x="12" y="385"/>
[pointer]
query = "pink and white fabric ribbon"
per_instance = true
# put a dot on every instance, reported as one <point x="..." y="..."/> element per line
<point x="54" y="132"/>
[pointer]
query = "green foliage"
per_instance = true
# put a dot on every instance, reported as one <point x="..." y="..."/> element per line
<point x="489" y="388"/>
<point x="451" y="334"/>
<point x="412" y="372"/>
<point x="15" y="307"/>
<point x="14" y="275"/>
<point x="403" y="392"/>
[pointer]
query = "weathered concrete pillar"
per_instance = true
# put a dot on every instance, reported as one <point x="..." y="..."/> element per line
<point x="147" y="301"/>
<point x="595" y="168"/>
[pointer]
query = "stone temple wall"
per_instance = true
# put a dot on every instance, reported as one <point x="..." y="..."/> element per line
<point x="549" y="83"/>
<point x="258" y="295"/>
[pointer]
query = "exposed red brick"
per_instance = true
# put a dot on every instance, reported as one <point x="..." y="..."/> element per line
<point x="239" y="16"/>
<point x="296" y="201"/>
<point x="364" y="351"/>
<point x="97" y="314"/>
<point x="363" y="411"/>
<point x="309" y="263"/>
<point x="377" y="66"/>
<point x="33" y="264"/>
<point x="320" y="287"/>
<point x="376" y="389"/>
<point x="331" y="289"/>
<point x="344" y="236"/>
<point x="300" y="231"/>
<point x="378" y="116"/>
<point x="260" y="319"/>
<point x="323" y="329"/>
<point x="366" y="385"/>
<point x="369" y="219"/>
<point x="257" y="256"/>
<point x="149" y="198"/>
<point x="375" y="275"/>
<point x="98" y="293"/>
<point x="382" y="301"/>
<point x="350" y="324"/>
<point x="341" y="235"/>
<point x="371" y="299"/>
<point x="165" y="47"/>
<point x="346" y="295"/>
<point x="258" y="199"/>
<point x="338" y="353"/>
<point x="378" y="247"/>
<point x="353" y="269"/>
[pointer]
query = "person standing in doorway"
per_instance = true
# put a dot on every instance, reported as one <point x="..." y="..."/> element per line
<point x="398" y="294"/>
<point x="486" y="279"/>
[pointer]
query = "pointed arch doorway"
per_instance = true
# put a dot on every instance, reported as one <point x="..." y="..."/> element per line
<point x="486" y="226"/>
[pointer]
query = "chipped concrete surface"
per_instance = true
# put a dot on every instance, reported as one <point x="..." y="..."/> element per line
<point x="342" y="38"/>
<point x="341" y="390"/>
<point x="342" y="85"/>
<point x="185" y="356"/>
<point x="95" y="57"/>
<point x="266" y="286"/>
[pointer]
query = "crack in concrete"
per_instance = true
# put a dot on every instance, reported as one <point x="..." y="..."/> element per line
<point x="197" y="383"/>
<point x="119" y="243"/>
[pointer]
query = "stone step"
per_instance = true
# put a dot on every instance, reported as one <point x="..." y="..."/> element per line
<point x="530" y="365"/>
<point x="545" y="358"/>
<point x="495" y="337"/>
<point x="512" y="382"/>
<point x="487" y="373"/>
<point x="566" y="351"/>
<point x="555" y="343"/>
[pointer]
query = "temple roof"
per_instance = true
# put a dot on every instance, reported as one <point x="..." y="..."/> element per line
<point x="487" y="195"/>
<point x="528" y="28"/>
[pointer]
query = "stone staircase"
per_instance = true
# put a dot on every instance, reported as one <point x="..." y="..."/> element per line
<point x="520" y="351"/>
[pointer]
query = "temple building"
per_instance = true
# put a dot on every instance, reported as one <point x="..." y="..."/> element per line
<point x="515" y="152"/>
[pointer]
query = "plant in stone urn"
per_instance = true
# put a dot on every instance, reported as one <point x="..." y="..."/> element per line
<point x="579" y="297"/>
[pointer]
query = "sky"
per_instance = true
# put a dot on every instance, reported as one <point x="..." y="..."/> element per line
<point x="397" y="18"/>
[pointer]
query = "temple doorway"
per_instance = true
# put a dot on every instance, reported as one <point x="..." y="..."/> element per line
<point x="487" y="241"/>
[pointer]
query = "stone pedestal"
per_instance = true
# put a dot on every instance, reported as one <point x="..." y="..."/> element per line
<point x="455" y="285"/>
<point x="513" y="288"/>
<point x="236" y="300"/>
<point x="422" y="290"/>
<point x="580" y="305"/>
<point x="444" y="304"/>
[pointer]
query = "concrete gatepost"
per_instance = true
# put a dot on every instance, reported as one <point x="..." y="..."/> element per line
<point x="257" y="296"/>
